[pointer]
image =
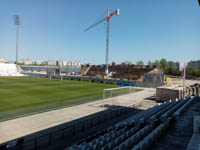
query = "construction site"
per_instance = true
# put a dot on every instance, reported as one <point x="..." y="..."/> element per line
<point x="151" y="114"/>
<point x="69" y="105"/>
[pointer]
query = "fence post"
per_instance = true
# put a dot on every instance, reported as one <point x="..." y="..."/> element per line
<point x="63" y="133"/>
<point x="73" y="130"/>
<point x="91" y="123"/>
<point x="50" y="139"/>
<point x="35" y="144"/>
<point x="83" y="126"/>
<point x="20" y="143"/>
<point x="99" y="119"/>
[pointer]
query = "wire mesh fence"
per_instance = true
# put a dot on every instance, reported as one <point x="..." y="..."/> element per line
<point x="7" y="115"/>
<point x="45" y="139"/>
<point x="46" y="107"/>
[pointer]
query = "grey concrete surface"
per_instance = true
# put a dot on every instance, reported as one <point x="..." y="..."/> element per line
<point x="20" y="127"/>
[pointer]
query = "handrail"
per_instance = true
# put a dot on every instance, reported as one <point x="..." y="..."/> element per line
<point x="21" y="141"/>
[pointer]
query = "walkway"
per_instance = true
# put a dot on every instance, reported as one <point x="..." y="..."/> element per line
<point x="20" y="127"/>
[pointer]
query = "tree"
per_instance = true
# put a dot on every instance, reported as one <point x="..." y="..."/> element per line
<point x="140" y="63"/>
<point x="164" y="64"/>
<point x="173" y="71"/>
<point x="156" y="63"/>
<point x="193" y="72"/>
<point x="149" y="63"/>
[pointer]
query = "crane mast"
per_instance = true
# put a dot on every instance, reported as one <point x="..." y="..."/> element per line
<point x="109" y="15"/>
<point x="107" y="42"/>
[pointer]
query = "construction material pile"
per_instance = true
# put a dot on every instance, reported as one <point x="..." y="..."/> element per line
<point x="129" y="72"/>
<point x="167" y="92"/>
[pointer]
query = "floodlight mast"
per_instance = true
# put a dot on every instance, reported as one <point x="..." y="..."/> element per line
<point x="109" y="15"/>
<point x="17" y="23"/>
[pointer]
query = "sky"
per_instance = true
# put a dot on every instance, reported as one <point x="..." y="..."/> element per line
<point x="144" y="30"/>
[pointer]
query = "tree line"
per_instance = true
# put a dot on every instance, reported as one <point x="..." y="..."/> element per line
<point x="172" y="68"/>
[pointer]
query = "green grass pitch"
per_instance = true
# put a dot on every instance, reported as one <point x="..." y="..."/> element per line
<point x="24" y="92"/>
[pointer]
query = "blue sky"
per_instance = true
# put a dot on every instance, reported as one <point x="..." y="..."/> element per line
<point x="144" y="30"/>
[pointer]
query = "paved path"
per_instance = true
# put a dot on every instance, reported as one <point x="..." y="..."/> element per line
<point x="19" y="127"/>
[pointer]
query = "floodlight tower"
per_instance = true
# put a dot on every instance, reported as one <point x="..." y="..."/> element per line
<point x="17" y="23"/>
<point x="107" y="19"/>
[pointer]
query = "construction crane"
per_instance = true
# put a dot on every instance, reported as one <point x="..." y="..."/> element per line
<point x="107" y="19"/>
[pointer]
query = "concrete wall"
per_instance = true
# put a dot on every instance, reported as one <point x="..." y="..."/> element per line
<point x="154" y="77"/>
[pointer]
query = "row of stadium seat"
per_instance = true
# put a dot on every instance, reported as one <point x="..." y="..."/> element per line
<point x="144" y="114"/>
<point x="152" y="136"/>
<point x="135" y="132"/>
<point x="178" y="112"/>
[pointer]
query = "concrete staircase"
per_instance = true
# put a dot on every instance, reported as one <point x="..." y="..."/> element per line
<point x="85" y="70"/>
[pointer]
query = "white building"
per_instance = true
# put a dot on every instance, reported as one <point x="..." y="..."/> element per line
<point x="64" y="63"/>
<point x="28" y="62"/>
<point x="68" y="63"/>
<point x="2" y="60"/>
<point x="48" y="62"/>
<point x="37" y="62"/>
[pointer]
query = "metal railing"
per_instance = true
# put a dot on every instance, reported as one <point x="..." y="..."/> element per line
<point x="7" y="115"/>
<point x="69" y="130"/>
<point x="101" y="80"/>
<point x="47" y="139"/>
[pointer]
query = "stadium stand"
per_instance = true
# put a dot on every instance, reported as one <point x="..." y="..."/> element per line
<point x="138" y="131"/>
<point x="130" y="72"/>
<point x="9" y="70"/>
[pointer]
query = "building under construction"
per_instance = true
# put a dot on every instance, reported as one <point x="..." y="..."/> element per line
<point x="125" y="72"/>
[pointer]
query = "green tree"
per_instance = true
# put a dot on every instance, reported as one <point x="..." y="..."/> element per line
<point x="164" y="64"/>
<point x="140" y="63"/>
<point x="195" y="72"/>
<point x="149" y="63"/>
<point x="173" y="71"/>
<point x="156" y="63"/>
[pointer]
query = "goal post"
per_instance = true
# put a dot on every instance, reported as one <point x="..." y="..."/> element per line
<point x="121" y="96"/>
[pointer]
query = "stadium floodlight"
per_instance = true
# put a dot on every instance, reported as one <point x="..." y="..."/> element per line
<point x="17" y="23"/>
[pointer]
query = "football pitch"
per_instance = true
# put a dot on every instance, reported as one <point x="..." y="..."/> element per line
<point x="25" y="92"/>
